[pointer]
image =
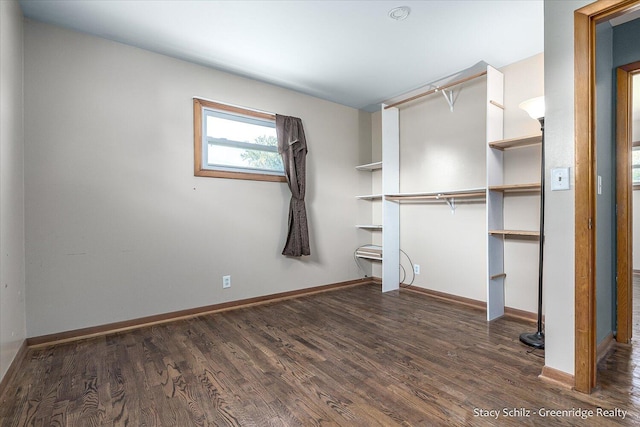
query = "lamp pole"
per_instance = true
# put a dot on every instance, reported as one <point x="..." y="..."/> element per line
<point x="535" y="108"/>
<point x="536" y="339"/>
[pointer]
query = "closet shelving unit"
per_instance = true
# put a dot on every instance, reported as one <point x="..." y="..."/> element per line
<point x="493" y="194"/>
<point x="370" y="252"/>
<point x="496" y="192"/>
<point x="393" y="197"/>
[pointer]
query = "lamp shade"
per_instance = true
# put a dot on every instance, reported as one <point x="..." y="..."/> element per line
<point x="534" y="107"/>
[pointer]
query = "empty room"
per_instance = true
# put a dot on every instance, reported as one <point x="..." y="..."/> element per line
<point x="305" y="213"/>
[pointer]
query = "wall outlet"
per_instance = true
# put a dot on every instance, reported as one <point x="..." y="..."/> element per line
<point x="226" y="282"/>
<point x="416" y="268"/>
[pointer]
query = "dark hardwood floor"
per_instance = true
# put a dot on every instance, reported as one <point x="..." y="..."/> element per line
<point x="351" y="357"/>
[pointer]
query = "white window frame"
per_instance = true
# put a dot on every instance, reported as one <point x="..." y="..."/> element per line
<point x="203" y="167"/>
<point x="634" y="166"/>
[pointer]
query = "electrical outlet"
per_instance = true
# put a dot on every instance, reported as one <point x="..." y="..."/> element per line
<point x="226" y="282"/>
<point x="416" y="268"/>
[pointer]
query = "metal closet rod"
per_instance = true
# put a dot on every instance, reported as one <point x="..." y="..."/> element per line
<point x="437" y="89"/>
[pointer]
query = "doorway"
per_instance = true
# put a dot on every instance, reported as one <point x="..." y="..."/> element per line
<point x="627" y="146"/>
<point x="585" y="20"/>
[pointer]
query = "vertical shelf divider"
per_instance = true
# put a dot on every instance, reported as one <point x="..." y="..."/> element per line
<point x="495" y="199"/>
<point x="390" y="209"/>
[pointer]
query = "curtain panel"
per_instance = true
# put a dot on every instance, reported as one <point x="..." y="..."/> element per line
<point x="292" y="146"/>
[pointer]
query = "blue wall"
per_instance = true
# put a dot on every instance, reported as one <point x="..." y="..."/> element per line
<point x="605" y="199"/>
<point x="626" y="43"/>
<point x="626" y="49"/>
<point x="615" y="46"/>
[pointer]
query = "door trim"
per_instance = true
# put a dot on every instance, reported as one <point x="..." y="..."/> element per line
<point x="585" y="20"/>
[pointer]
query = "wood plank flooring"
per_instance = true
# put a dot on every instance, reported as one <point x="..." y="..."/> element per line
<point x="351" y="357"/>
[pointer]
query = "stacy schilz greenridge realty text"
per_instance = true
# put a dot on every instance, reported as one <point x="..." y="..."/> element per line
<point x="550" y="413"/>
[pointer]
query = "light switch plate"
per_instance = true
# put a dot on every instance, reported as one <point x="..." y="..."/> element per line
<point x="559" y="179"/>
<point x="599" y="184"/>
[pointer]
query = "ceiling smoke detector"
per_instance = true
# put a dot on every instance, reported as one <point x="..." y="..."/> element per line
<point x="399" y="13"/>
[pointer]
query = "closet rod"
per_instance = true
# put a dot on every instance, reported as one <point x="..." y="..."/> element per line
<point x="439" y="88"/>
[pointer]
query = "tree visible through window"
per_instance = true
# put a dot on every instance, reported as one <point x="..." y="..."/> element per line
<point x="233" y="142"/>
<point x="263" y="159"/>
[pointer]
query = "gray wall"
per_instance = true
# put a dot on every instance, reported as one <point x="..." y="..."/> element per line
<point x="12" y="262"/>
<point x="117" y="225"/>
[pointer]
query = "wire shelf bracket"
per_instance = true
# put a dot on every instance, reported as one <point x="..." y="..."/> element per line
<point x="448" y="96"/>
<point x="451" y="201"/>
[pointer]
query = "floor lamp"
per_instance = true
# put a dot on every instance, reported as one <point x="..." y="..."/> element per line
<point x="535" y="108"/>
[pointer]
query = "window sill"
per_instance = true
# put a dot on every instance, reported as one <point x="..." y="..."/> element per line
<point x="239" y="175"/>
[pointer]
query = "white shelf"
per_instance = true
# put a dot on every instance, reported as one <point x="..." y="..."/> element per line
<point x="372" y="257"/>
<point x="515" y="233"/>
<point x="370" y="197"/>
<point x="370" y="167"/>
<point x="525" y="141"/>
<point x="369" y="226"/>
<point x="372" y="252"/>
<point x="516" y="188"/>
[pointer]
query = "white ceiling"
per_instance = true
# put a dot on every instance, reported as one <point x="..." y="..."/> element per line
<point x="349" y="52"/>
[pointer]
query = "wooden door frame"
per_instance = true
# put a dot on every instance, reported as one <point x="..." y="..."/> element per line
<point x="624" y="201"/>
<point x="585" y="20"/>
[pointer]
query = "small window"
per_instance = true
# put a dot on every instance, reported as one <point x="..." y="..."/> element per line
<point x="233" y="142"/>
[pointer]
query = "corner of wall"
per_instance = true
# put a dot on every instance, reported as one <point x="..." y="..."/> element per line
<point x="12" y="238"/>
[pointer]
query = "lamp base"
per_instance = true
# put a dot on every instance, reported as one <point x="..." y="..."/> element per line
<point x="535" y="339"/>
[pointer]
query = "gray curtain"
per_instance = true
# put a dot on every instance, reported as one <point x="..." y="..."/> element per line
<point x="292" y="146"/>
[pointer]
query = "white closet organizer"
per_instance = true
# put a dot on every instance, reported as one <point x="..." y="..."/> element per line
<point x="370" y="252"/>
<point x="392" y="198"/>
<point x="497" y="190"/>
